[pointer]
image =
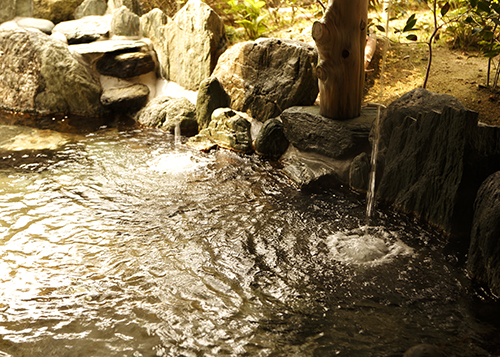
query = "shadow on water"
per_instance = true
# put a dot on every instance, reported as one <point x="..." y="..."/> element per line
<point x="124" y="243"/>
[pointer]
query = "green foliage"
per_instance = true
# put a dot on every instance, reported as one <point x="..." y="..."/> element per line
<point x="250" y="15"/>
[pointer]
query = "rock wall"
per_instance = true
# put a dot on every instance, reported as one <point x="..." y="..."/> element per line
<point x="434" y="157"/>
<point x="13" y="8"/>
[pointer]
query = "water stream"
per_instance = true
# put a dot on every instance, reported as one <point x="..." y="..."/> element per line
<point x="122" y="243"/>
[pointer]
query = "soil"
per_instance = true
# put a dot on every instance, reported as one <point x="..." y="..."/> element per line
<point x="453" y="71"/>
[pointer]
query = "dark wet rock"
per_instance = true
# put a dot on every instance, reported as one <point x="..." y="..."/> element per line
<point x="125" y="65"/>
<point x="359" y="172"/>
<point x="125" y="23"/>
<point x="109" y="46"/>
<point x="91" y="8"/>
<point x="434" y="161"/>
<point x="309" y="131"/>
<point x="483" y="262"/>
<point x="39" y="75"/>
<point x="424" y="350"/>
<point x="55" y="10"/>
<point x="43" y="25"/>
<point x="271" y="141"/>
<point x="126" y="100"/>
<point x="167" y="113"/>
<point x="267" y="76"/>
<point x="85" y="30"/>
<point x="227" y="129"/>
<point x="192" y="42"/>
<point x="211" y="96"/>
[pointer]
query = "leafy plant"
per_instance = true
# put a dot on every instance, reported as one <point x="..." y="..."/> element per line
<point x="250" y="15"/>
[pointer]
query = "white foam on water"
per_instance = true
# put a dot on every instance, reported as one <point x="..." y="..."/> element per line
<point x="370" y="248"/>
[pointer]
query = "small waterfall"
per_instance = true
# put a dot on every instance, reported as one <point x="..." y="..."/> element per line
<point x="370" y="197"/>
<point x="177" y="134"/>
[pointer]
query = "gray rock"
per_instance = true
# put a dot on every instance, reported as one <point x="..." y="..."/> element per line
<point x="359" y="172"/>
<point x="43" y="25"/>
<point x="24" y="8"/>
<point x="228" y="129"/>
<point x="211" y="96"/>
<point x="125" y="65"/>
<point x="267" y="76"/>
<point x="39" y="75"/>
<point x="166" y="113"/>
<point x="133" y="5"/>
<point x="55" y="10"/>
<point x="8" y="10"/>
<point x="483" y="262"/>
<point x="91" y="8"/>
<point x="125" y="23"/>
<point x="308" y="131"/>
<point x="126" y="100"/>
<point x="194" y="40"/>
<point x="271" y="141"/>
<point x="180" y="112"/>
<point x="433" y="164"/>
<point x="152" y="24"/>
<point x="84" y="30"/>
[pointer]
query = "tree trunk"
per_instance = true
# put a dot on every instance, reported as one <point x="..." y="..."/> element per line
<point x="341" y="37"/>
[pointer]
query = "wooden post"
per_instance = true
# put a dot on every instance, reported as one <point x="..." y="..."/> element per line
<point x="341" y="37"/>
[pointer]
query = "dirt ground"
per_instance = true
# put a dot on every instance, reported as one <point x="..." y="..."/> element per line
<point x="455" y="72"/>
<point x="460" y="74"/>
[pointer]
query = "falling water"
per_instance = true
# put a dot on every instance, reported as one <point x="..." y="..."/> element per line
<point x="177" y="134"/>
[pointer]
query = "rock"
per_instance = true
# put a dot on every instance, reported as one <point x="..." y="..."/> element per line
<point x="193" y="42"/>
<point x="152" y="24"/>
<point x="211" y="96"/>
<point x="125" y="23"/>
<point x="39" y="75"/>
<point x="483" y="262"/>
<point x="125" y="65"/>
<point x="308" y="131"/>
<point x="359" y="172"/>
<point x="271" y="141"/>
<point x="166" y="113"/>
<point x="85" y="30"/>
<point x="126" y="99"/>
<point x="228" y="129"/>
<point x="423" y="350"/>
<point x="434" y="163"/>
<point x="8" y="10"/>
<point x="55" y="10"/>
<point x="133" y="5"/>
<point x="91" y="8"/>
<point x="267" y="76"/>
<point x="43" y="25"/>
<point x="110" y="46"/>
<point x="24" y="8"/>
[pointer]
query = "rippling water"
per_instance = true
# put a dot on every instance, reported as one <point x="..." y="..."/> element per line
<point x="125" y="244"/>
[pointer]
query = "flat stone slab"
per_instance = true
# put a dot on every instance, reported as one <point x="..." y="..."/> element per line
<point x="108" y="46"/>
<point x="309" y="131"/>
<point x="84" y="30"/>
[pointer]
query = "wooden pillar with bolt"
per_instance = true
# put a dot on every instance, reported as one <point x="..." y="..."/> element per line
<point x="340" y="37"/>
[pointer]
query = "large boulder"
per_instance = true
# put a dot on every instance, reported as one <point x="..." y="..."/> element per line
<point x="192" y="43"/>
<point x="127" y="99"/>
<point x="483" y="262"/>
<point x="39" y="75"/>
<point x="8" y="10"/>
<point x="84" y="30"/>
<point x="43" y="25"/>
<point x="434" y="161"/>
<point x="267" y="76"/>
<point x="125" y="23"/>
<point x="133" y="5"/>
<point x="211" y="96"/>
<point x="55" y="10"/>
<point x="125" y="65"/>
<point x="152" y="25"/>
<point x="271" y="140"/>
<point x="168" y="113"/>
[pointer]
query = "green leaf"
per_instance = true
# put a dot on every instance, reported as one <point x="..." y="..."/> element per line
<point x="488" y="35"/>
<point x="484" y="6"/>
<point x="412" y="37"/>
<point x="445" y="9"/>
<point x="473" y="3"/>
<point x="410" y="23"/>
<point x="380" y="28"/>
